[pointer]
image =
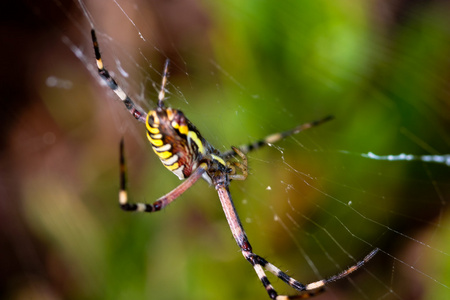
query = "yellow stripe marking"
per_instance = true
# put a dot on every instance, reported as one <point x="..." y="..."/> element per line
<point x="172" y="167"/>
<point x="219" y="159"/>
<point x="193" y="136"/>
<point x="164" y="155"/>
<point x="152" y="130"/>
<point x="184" y="129"/>
<point x="155" y="143"/>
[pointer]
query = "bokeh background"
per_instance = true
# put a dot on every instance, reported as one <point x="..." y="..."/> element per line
<point x="240" y="71"/>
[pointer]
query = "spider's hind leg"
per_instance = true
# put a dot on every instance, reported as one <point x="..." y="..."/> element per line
<point x="306" y="290"/>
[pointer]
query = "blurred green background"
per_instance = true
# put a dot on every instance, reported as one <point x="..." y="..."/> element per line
<point x="240" y="71"/>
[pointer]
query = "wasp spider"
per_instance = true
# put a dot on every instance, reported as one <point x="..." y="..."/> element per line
<point x="182" y="149"/>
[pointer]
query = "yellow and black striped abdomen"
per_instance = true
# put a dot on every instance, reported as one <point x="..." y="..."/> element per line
<point x="177" y="144"/>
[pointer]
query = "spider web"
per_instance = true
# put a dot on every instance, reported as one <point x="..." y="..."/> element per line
<point x="377" y="176"/>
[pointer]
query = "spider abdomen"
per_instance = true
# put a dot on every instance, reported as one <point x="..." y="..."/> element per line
<point x="176" y="142"/>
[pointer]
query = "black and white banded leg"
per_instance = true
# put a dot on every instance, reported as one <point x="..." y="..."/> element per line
<point x="259" y="263"/>
<point x="276" y="137"/>
<point x="134" y="110"/>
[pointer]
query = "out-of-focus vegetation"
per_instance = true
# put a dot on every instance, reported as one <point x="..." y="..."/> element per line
<point x="254" y="68"/>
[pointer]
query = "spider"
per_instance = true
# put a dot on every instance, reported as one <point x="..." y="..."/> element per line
<point x="182" y="149"/>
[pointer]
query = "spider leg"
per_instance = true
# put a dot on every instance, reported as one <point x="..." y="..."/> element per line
<point x="161" y="202"/>
<point x="259" y="263"/>
<point x="317" y="286"/>
<point x="134" y="110"/>
<point x="242" y="166"/>
<point x="275" y="137"/>
<point x="162" y="92"/>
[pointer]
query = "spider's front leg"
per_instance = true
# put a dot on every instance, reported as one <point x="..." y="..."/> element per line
<point x="274" y="138"/>
<point x="134" y="109"/>
<point x="241" y="166"/>
<point x="161" y="202"/>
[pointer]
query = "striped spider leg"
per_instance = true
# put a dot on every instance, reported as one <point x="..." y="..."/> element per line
<point x="259" y="264"/>
<point x="135" y="110"/>
<point x="182" y="150"/>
